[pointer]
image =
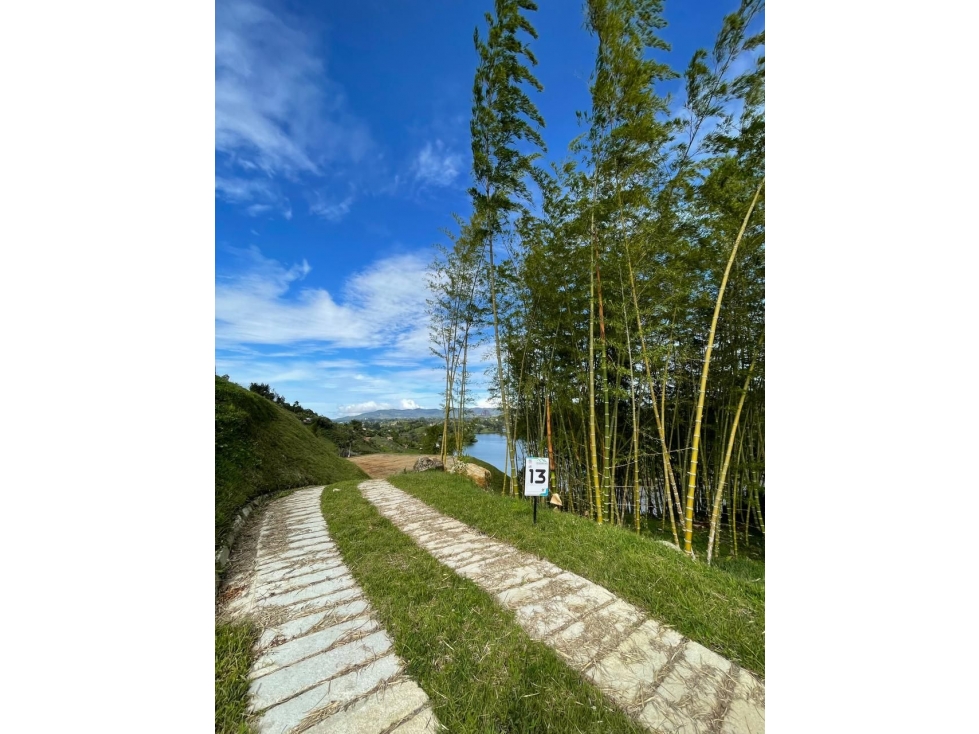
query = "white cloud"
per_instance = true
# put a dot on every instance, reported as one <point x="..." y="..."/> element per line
<point x="333" y="212"/>
<point x="261" y="194"/>
<point x="381" y="306"/>
<point x="488" y="403"/>
<point x="435" y="166"/>
<point x="358" y="408"/>
<point x="409" y="405"/>
<point x="275" y="108"/>
<point x="238" y="190"/>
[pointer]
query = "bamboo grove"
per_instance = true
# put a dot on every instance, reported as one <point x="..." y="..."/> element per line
<point x="622" y="290"/>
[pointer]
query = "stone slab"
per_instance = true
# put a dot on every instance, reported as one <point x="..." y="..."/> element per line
<point x="379" y="712"/>
<point x="344" y="689"/>
<point x="595" y="635"/>
<point x="305" y="541"/>
<point x="503" y="577"/>
<point x="627" y="672"/>
<point x="312" y="550"/>
<point x="294" y="650"/>
<point x="285" y="683"/>
<point x="312" y="567"/>
<point x="690" y="695"/>
<point x="323" y="602"/>
<point x="323" y="588"/>
<point x="297" y="626"/>
<point x="424" y="722"/>
<point x="299" y="580"/>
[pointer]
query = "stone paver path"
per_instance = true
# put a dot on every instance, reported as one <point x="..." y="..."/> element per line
<point x="666" y="681"/>
<point x="324" y="664"/>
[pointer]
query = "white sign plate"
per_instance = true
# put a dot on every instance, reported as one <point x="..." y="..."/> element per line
<point x="537" y="477"/>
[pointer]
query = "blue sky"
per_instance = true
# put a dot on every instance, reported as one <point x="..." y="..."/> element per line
<point x="341" y="150"/>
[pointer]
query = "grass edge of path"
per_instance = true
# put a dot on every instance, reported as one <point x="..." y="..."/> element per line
<point x="233" y="655"/>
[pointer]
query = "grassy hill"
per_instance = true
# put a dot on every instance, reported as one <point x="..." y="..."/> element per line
<point x="261" y="447"/>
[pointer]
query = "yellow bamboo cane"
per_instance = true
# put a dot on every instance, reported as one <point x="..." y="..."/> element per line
<point x="692" y="482"/>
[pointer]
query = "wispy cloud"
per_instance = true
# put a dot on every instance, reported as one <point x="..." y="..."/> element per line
<point x="436" y="166"/>
<point x="333" y="211"/>
<point x="261" y="195"/>
<point x="276" y="110"/>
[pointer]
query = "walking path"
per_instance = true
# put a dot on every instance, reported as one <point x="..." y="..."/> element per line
<point x="666" y="681"/>
<point x="324" y="663"/>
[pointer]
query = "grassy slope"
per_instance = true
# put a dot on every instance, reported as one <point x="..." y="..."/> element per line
<point x="260" y="447"/>
<point x="481" y="671"/>
<point x="723" y="609"/>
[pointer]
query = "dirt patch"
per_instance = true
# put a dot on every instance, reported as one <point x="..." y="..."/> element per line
<point x="382" y="466"/>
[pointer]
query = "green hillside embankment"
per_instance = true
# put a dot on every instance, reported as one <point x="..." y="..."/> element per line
<point x="260" y="447"/>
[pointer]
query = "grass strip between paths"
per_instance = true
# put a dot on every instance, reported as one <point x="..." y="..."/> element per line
<point x="480" y="670"/>
<point x="232" y="660"/>
<point x="721" y="608"/>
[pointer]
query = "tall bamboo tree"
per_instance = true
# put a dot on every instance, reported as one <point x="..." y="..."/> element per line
<point x="503" y="116"/>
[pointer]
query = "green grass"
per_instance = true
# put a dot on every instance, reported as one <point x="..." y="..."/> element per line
<point x="722" y="608"/>
<point x="750" y="562"/>
<point x="260" y="447"/>
<point x="232" y="659"/>
<point x="480" y="670"/>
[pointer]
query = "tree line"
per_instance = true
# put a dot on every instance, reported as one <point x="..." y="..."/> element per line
<point x="622" y="289"/>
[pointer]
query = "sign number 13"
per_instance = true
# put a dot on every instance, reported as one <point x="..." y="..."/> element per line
<point x="535" y="483"/>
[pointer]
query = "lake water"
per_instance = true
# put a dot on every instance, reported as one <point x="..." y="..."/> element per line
<point x="491" y="448"/>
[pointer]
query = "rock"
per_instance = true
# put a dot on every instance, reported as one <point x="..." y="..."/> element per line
<point x="425" y="463"/>
<point x="476" y="473"/>
<point x="668" y="544"/>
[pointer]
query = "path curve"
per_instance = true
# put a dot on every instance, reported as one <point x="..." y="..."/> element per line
<point x="666" y="681"/>
<point x="323" y="662"/>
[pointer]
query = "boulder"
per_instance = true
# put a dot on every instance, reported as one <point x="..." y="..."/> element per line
<point x="425" y="463"/>
<point x="476" y="473"/>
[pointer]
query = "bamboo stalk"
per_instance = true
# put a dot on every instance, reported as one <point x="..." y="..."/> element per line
<point x="668" y="478"/>
<point x="592" y="428"/>
<point x="692" y="484"/>
<point x="715" y="513"/>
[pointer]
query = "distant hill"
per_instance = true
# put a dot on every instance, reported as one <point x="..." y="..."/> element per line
<point x="392" y="415"/>
<point x="412" y="414"/>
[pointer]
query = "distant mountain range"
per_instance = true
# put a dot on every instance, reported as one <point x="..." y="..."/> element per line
<point x="413" y="414"/>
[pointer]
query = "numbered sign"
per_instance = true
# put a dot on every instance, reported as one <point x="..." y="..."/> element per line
<point x="536" y="480"/>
